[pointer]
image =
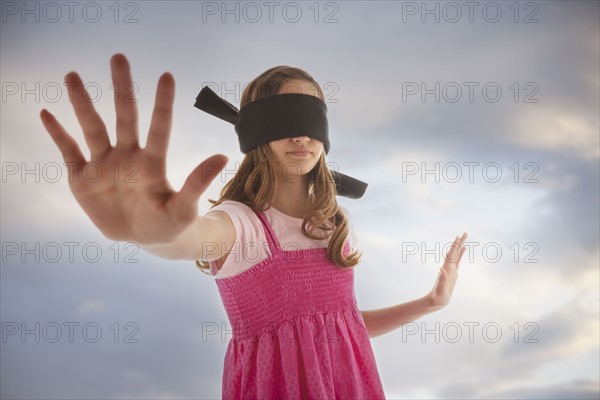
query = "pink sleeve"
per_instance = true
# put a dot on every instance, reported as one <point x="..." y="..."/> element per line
<point x="249" y="247"/>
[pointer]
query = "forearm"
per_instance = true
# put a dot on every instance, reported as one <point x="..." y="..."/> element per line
<point x="184" y="247"/>
<point x="384" y="320"/>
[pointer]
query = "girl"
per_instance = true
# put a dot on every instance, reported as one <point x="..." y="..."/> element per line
<point x="279" y="245"/>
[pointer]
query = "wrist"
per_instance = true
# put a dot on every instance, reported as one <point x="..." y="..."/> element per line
<point x="432" y="303"/>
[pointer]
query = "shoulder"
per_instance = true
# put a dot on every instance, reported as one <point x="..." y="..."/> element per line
<point x="231" y="205"/>
<point x="248" y="233"/>
<point x="244" y="219"/>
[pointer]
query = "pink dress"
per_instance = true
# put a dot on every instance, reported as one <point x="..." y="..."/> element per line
<point x="297" y="332"/>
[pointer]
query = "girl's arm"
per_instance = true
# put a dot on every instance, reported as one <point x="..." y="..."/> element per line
<point x="384" y="320"/>
<point x="208" y="238"/>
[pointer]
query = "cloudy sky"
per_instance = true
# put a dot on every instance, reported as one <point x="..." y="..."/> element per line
<point x="479" y="117"/>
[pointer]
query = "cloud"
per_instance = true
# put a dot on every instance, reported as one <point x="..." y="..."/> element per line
<point x="366" y="56"/>
<point x="91" y="307"/>
<point x="574" y="390"/>
<point x="554" y="130"/>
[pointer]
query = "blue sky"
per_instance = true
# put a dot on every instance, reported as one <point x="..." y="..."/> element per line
<point x="513" y="135"/>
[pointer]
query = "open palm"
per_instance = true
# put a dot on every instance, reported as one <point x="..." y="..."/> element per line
<point x="124" y="189"/>
<point x="446" y="280"/>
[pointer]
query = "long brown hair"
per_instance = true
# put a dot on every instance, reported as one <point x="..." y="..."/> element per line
<point x="255" y="183"/>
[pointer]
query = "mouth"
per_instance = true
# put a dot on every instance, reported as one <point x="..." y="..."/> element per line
<point x="300" y="153"/>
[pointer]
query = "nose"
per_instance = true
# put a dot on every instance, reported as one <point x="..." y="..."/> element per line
<point x="301" y="139"/>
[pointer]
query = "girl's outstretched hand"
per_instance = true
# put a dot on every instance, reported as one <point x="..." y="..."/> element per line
<point x="124" y="189"/>
<point x="446" y="280"/>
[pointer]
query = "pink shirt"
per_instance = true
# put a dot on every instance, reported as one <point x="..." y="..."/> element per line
<point x="251" y="246"/>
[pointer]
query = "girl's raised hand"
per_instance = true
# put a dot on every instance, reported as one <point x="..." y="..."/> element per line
<point x="124" y="189"/>
<point x="446" y="280"/>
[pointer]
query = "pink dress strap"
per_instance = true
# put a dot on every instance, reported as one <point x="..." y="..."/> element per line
<point x="274" y="245"/>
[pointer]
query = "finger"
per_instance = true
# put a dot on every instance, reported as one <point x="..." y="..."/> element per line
<point x="463" y="238"/>
<point x="125" y="102"/>
<point x="185" y="202"/>
<point x="160" y="126"/>
<point x="460" y="256"/>
<point x="461" y="246"/>
<point x="92" y="125"/>
<point x="451" y="253"/>
<point x="457" y="247"/>
<point x="65" y="143"/>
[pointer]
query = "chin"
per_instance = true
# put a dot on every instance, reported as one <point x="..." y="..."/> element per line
<point x="294" y="170"/>
<point x="300" y="165"/>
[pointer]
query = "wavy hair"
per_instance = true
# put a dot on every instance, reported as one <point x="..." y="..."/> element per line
<point x="255" y="182"/>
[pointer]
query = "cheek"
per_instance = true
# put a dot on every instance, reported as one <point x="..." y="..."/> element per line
<point x="274" y="149"/>
<point x="277" y="146"/>
<point x="277" y="152"/>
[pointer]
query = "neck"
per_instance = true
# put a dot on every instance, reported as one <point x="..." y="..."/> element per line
<point x="292" y="197"/>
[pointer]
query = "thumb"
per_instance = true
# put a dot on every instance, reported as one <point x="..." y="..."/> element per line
<point x="185" y="202"/>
